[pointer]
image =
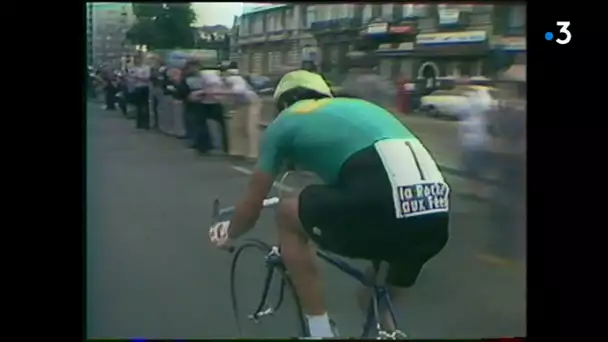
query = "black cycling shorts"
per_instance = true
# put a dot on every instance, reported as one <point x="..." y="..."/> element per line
<point x="356" y="218"/>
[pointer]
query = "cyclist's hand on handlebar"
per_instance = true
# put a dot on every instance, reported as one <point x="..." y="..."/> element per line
<point x="218" y="234"/>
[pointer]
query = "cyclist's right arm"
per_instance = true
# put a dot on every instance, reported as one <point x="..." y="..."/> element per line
<point x="272" y="150"/>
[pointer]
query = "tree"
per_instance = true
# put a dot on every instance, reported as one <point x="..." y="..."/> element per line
<point x="163" y="25"/>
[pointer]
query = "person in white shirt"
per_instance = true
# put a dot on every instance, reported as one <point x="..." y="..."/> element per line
<point x="248" y="107"/>
<point x="139" y="75"/>
<point x="473" y="135"/>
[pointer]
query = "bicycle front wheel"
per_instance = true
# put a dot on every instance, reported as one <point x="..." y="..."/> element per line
<point x="259" y="287"/>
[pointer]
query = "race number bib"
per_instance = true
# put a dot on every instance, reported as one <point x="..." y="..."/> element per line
<point x="424" y="198"/>
<point x="418" y="186"/>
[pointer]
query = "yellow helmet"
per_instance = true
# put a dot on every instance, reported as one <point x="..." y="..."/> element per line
<point x="301" y="79"/>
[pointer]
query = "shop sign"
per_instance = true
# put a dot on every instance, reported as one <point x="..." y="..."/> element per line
<point x="451" y="38"/>
<point x="448" y="16"/>
<point x="513" y="43"/>
<point x="403" y="29"/>
<point x="377" y="28"/>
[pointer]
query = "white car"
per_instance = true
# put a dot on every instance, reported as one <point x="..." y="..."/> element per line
<point x="451" y="103"/>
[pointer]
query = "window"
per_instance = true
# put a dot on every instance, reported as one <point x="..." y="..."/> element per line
<point x="517" y="16"/>
<point x="387" y="10"/>
<point x="334" y="11"/>
<point x="349" y="10"/>
<point x="270" y="23"/>
<point x="367" y="13"/>
<point x="410" y="11"/>
<point x="289" y="20"/>
<point x="244" y="27"/>
<point x="311" y="15"/>
<point x="258" y="25"/>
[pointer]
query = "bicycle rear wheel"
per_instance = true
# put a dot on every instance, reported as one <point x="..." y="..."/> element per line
<point x="268" y="291"/>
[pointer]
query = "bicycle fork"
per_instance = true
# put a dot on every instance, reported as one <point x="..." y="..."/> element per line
<point x="273" y="260"/>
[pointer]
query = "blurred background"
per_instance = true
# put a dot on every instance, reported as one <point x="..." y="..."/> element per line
<point x="454" y="74"/>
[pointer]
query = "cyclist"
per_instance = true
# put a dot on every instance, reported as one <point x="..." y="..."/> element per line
<point x="384" y="198"/>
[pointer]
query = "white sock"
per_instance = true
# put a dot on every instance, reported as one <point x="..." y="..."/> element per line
<point x="319" y="326"/>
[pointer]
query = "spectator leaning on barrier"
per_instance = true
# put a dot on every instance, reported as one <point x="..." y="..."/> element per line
<point x="140" y="75"/>
<point x="213" y="86"/>
<point x="363" y="82"/>
<point x="248" y="106"/>
<point x="190" y="91"/>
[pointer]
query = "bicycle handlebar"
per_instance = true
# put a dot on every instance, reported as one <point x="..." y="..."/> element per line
<point x="219" y="214"/>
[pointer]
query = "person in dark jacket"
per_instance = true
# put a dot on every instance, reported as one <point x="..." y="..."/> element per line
<point x="191" y="92"/>
<point x="109" y="89"/>
<point x="121" y="94"/>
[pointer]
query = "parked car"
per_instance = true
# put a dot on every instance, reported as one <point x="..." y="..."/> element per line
<point x="452" y="103"/>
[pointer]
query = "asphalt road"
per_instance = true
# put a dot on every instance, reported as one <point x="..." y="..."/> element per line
<point x="152" y="273"/>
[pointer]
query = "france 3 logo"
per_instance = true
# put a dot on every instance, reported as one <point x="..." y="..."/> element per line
<point x="564" y="35"/>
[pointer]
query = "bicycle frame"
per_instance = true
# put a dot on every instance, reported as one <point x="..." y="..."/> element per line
<point x="273" y="260"/>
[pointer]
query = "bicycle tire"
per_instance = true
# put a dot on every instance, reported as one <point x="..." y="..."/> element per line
<point x="287" y="283"/>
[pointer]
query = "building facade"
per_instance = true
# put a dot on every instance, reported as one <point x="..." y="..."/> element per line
<point x="109" y="24"/>
<point x="216" y="37"/>
<point x="89" y="38"/>
<point x="433" y="44"/>
<point x="272" y="38"/>
<point x="428" y="43"/>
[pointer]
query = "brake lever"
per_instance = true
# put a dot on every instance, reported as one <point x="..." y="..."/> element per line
<point x="215" y="213"/>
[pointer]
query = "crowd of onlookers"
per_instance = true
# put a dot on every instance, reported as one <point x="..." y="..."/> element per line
<point x="205" y="92"/>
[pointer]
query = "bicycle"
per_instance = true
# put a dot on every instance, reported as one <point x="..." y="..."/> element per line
<point x="273" y="263"/>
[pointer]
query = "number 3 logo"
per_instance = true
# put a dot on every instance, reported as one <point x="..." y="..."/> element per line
<point x="564" y="29"/>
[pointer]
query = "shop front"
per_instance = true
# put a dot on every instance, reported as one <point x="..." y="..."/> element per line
<point x="395" y="49"/>
<point x="449" y="55"/>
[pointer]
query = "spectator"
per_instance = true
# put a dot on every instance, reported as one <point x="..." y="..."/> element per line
<point x="473" y="135"/>
<point x="156" y="82"/>
<point x="213" y="87"/>
<point x="109" y="90"/>
<point x="248" y="104"/>
<point x="121" y="95"/>
<point x="140" y="76"/>
<point x="190" y="91"/>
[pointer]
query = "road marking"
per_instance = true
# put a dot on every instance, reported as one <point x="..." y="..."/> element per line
<point x="277" y="185"/>
<point x="483" y="257"/>
<point x="496" y="260"/>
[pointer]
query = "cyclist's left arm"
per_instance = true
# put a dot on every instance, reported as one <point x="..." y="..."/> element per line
<point x="272" y="150"/>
